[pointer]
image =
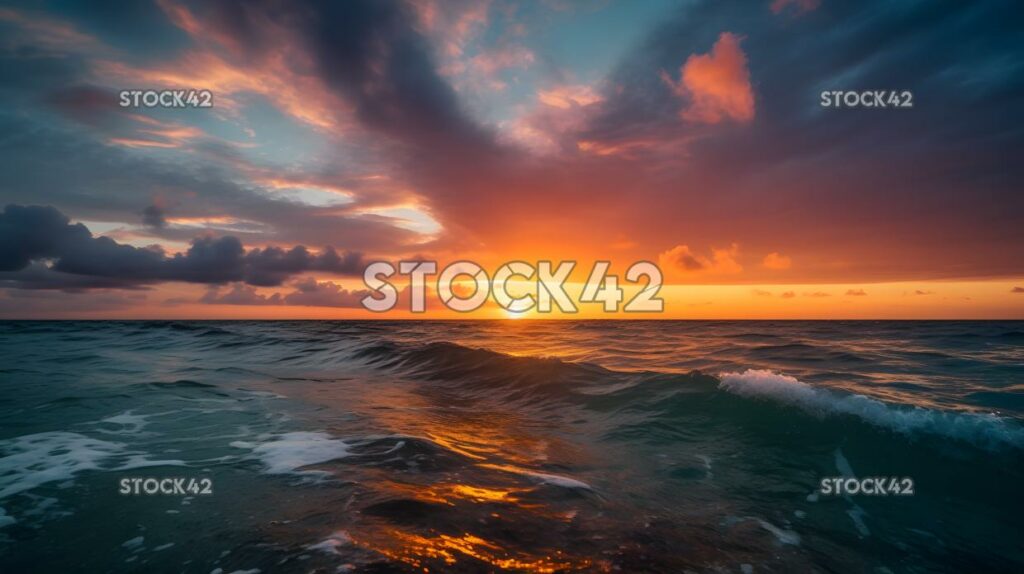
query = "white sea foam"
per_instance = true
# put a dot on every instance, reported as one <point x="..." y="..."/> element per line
<point x="32" y="460"/>
<point x="986" y="430"/>
<point x="331" y="544"/>
<point x="289" y="452"/>
<point x="127" y="422"/>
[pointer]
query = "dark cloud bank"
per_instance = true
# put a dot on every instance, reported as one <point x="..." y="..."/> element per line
<point x="32" y="235"/>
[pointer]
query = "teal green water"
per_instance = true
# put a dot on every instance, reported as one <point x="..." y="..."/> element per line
<point x="511" y="446"/>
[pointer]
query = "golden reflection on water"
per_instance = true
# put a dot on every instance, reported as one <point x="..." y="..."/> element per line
<point x="427" y="549"/>
<point x="491" y="480"/>
<point x="419" y="551"/>
<point x="449" y="493"/>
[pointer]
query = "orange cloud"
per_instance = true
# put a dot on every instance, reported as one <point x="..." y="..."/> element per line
<point x="856" y="293"/>
<point x="775" y="261"/>
<point x="717" y="84"/>
<point x="681" y="261"/>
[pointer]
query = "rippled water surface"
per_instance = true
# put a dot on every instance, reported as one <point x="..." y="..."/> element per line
<point x="511" y="446"/>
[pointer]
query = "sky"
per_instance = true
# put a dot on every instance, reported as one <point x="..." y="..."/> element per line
<point x="686" y="133"/>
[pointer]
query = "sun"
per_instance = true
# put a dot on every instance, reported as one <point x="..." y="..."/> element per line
<point x="515" y="314"/>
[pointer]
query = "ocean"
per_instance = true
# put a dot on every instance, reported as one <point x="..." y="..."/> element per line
<point x="517" y="445"/>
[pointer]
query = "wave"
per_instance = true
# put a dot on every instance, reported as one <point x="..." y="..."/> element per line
<point x="510" y="377"/>
<point x="486" y="371"/>
<point x="982" y="429"/>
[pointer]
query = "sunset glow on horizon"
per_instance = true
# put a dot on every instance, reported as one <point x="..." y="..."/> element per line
<point x="689" y="135"/>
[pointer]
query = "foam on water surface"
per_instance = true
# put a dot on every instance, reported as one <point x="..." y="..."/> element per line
<point x="288" y="453"/>
<point x="32" y="460"/>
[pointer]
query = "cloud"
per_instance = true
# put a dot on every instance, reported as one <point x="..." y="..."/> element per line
<point x="681" y="261"/>
<point x="48" y="33"/>
<point x="313" y="293"/>
<point x="308" y="293"/>
<point x="34" y="233"/>
<point x="492" y="62"/>
<point x="776" y="261"/>
<point x="920" y="292"/>
<point x="239" y="294"/>
<point x="18" y="304"/>
<point x="788" y="295"/>
<point x="153" y="216"/>
<point x="1017" y="290"/>
<point x="568" y="96"/>
<point x="800" y="6"/>
<point x="363" y="66"/>
<point x="371" y="54"/>
<point x="717" y="85"/>
<point x="762" y="293"/>
<point x="818" y="294"/>
<point x="856" y="293"/>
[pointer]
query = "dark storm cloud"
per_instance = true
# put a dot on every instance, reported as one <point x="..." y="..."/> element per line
<point x="79" y="260"/>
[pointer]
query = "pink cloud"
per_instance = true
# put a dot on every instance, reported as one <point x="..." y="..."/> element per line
<point x="565" y="97"/>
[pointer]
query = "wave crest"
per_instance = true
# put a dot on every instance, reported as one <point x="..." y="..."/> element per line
<point x="982" y="429"/>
